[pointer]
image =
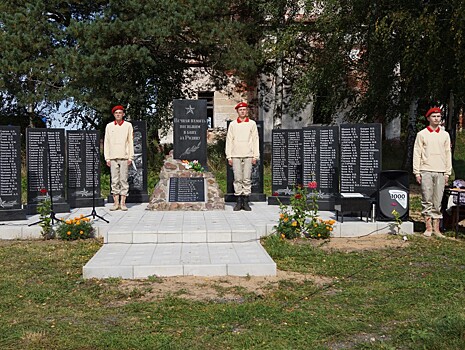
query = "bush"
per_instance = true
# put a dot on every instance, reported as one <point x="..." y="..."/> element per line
<point x="77" y="228"/>
<point x="300" y="219"/>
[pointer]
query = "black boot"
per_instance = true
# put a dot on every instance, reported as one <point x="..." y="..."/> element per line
<point x="238" y="205"/>
<point x="245" y="204"/>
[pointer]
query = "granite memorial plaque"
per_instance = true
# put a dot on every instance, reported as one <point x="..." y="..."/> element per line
<point x="257" y="194"/>
<point x="137" y="172"/>
<point x="10" y="174"/>
<point x="45" y="158"/>
<point x="186" y="189"/>
<point x="286" y="164"/>
<point x="190" y="130"/>
<point x="321" y="162"/>
<point x="360" y="156"/>
<point x="83" y="155"/>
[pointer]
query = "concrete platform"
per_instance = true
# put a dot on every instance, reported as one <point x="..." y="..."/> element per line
<point x="131" y="261"/>
<point x="140" y="243"/>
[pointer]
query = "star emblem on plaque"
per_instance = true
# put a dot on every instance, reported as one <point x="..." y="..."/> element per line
<point x="190" y="109"/>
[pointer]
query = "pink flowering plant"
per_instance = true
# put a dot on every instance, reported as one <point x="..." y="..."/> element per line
<point x="300" y="219"/>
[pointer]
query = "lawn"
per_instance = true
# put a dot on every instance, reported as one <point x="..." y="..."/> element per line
<point x="396" y="295"/>
<point x="408" y="296"/>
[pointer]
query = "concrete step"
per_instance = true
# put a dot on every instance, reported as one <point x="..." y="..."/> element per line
<point x="134" y="261"/>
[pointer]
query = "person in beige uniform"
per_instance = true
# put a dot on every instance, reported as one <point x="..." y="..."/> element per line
<point x="432" y="166"/>
<point x="119" y="153"/>
<point x="242" y="152"/>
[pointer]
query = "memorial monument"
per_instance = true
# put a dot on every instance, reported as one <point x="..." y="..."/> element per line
<point x="45" y="162"/>
<point x="10" y="174"/>
<point x="83" y="159"/>
<point x="180" y="188"/>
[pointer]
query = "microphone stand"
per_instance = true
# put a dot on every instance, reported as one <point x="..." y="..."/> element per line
<point x="94" y="157"/>
<point x="50" y="186"/>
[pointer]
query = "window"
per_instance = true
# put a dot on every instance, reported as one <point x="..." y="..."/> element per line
<point x="208" y="95"/>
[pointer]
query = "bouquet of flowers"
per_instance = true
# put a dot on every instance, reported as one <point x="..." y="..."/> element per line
<point x="194" y="165"/>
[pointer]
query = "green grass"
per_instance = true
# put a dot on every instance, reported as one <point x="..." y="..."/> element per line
<point x="411" y="297"/>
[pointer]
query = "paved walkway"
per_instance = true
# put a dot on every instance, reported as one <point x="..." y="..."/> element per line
<point x="140" y="243"/>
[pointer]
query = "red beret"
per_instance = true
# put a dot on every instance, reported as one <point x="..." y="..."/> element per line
<point x="242" y="104"/>
<point x="116" y="108"/>
<point x="432" y="110"/>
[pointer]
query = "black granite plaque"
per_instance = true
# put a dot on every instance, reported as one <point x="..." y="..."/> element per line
<point x="84" y="168"/>
<point x="186" y="189"/>
<point x="45" y="157"/>
<point x="321" y="162"/>
<point x="10" y="174"/>
<point x="257" y="194"/>
<point x="360" y="155"/>
<point x="190" y="130"/>
<point x="137" y="173"/>
<point x="286" y="163"/>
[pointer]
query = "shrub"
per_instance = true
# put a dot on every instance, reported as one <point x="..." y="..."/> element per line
<point x="45" y="221"/>
<point x="77" y="228"/>
<point x="300" y="219"/>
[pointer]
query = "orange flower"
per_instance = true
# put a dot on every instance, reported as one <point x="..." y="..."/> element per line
<point x="286" y="219"/>
<point x="281" y="215"/>
<point x="68" y="233"/>
<point x="81" y="232"/>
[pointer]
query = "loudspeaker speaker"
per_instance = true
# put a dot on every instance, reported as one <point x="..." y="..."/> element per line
<point x="393" y="194"/>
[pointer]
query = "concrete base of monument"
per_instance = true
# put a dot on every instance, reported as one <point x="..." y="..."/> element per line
<point x="12" y="214"/>
<point x="86" y="202"/>
<point x="60" y="207"/>
<point x="254" y="197"/>
<point x="358" y="228"/>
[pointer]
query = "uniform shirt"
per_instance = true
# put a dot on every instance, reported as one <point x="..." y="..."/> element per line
<point x="432" y="151"/>
<point x="119" y="142"/>
<point x="242" y="139"/>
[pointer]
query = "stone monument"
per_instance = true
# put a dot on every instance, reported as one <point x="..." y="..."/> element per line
<point x="83" y="168"/>
<point x="184" y="189"/>
<point x="10" y="174"/>
<point x="45" y="160"/>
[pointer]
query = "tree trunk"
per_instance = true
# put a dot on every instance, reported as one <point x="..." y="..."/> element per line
<point x="278" y="102"/>
<point x="411" y="133"/>
<point x="451" y="122"/>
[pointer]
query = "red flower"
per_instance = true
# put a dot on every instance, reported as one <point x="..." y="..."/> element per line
<point x="275" y="194"/>
<point x="312" y="185"/>
<point x="43" y="191"/>
<point x="298" y="196"/>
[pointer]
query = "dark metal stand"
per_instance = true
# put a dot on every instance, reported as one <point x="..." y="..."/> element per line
<point x="50" y="186"/>
<point x="94" y="159"/>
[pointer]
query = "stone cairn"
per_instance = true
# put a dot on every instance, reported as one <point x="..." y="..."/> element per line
<point x="175" y="168"/>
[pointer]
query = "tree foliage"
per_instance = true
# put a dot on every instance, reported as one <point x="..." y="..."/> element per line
<point x="374" y="57"/>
